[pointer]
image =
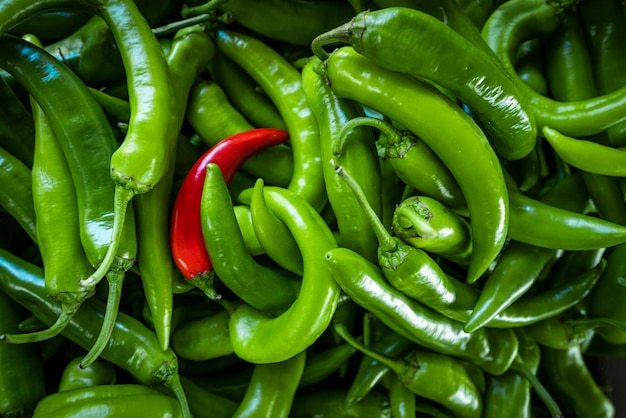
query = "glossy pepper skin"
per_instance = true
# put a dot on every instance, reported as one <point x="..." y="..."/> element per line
<point x="272" y="388"/>
<point x="16" y="197"/>
<point x="571" y="380"/>
<point x="471" y="74"/>
<point x="123" y="400"/>
<point x="456" y="392"/>
<point x="255" y="335"/>
<point x="22" y="382"/>
<point x="132" y="346"/>
<point x="100" y="372"/>
<point x="358" y="155"/>
<point x="353" y="76"/>
<point x="283" y="84"/>
<point x="516" y="21"/>
<point x="608" y="295"/>
<point x="490" y="349"/>
<point x="187" y="242"/>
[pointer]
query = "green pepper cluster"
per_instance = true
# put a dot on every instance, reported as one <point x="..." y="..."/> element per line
<point x="331" y="208"/>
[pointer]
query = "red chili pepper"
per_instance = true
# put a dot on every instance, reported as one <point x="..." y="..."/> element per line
<point x="188" y="249"/>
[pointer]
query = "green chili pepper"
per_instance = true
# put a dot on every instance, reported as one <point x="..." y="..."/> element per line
<point x="273" y="234"/>
<point x="425" y="223"/>
<point x="512" y="23"/>
<point x="272" y="388"/>
<point x="491" y="349"/>
<point x="17" y="132"/>
<point x="509" y="394"/>
<point x="214" y="118"/>
<point x="607" y="295"/>
<point x="56" y="209"/>
<point x="605" y="160"/>
<point x="530" y="65"/>
<point x="87" y="163"/>
<point x="370" y="371"/>
<point x="259" y="338"/>
<point x="244" y="94"/>
<point x="22" y="382"/>
<point x="262" y="287"/>
<point x="16" y="197"/>
<point x="536" y="223"/>
<point x="132" y="346"/>
<point x="91" y="52"/>
<point x="135" y="167"/>
<point x="569" y="54"/>
<point x="327" y="403"/>
<point x="441" y="124"/>
<point x="100" y="372"/>
<point x="123" y="400"/>
<point x="323" y="363"/>
<point x="570" y="379"/>
<point x="250" y="239"/>
<point x="205" y="404"/>
<point x="283" y="84"/>
<point x="296" y="22"/>
<point x="456" y="391"/>
<point x="401" y="398"/>
<point x="486" y="88"/>
<point x="203" y="338"/>
<point x="357" y="153"/>
<point x="605" y="32"/>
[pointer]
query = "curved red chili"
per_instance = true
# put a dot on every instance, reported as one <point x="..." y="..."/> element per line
<point x="188" y="249"/>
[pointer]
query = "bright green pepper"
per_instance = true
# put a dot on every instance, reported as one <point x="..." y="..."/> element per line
<point x="447" y="130"/>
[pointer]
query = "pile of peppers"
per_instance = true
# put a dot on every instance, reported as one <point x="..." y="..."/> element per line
<point x="298" y="208"/>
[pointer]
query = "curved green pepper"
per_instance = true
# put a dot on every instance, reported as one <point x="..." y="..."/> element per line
<point x="447" y="130"/>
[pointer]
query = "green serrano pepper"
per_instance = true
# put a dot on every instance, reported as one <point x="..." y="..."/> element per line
<point x="512" y="23"/>
<point x="259" y="338"/>
<point x="283" y="84"/>
<point x="358" y="154"/>
<point x="401" y="39"/>
<point x="132" y="346"/>
<point x="491" y="349"/>
<point x="447" y="130"/>
<point x="16" y="195"/>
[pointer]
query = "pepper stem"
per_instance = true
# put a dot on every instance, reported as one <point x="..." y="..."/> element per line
<point x="173" y="383"/>
<point x="122" y="198"/>
<point x="339" y="35"/>
<point x="387" y="243"/>
<point x="115" y="279"/>
<point x="67" y="313"/>
<point x="208" y="7"/>
<point x="582" y="325"/>
<point x="520" y="367"/>
<point x="392" y="134"/>
<point x="398" y="366"/>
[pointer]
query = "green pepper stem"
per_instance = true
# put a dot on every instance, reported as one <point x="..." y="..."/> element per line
<point x="339" y="35"/>
<point x="398" y="366"/>
<point x="387" y="243"/>
<point x="115" y="279"/>
<point x="416" y="222"/>
<point x="582" y="325"/>
<point x="173" y="383"/>
<point x="208" y="7"/>
<point x="392" y="134"/>
<point x="67" y="313"/>
<point x="182" y="24"/>
<point x="122" y="198"/>
<point x="520" y="367"/>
